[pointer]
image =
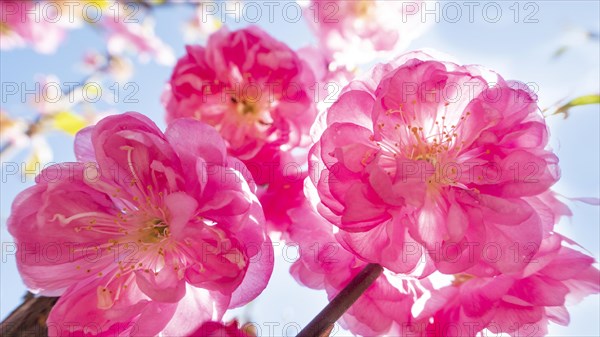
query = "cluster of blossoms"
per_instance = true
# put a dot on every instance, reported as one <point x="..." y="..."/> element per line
<point x="258" y="93"/>
<point x="44" y="26"/>
<point x="22" y="24"/>
<point x="430" y="169"/>
<point x="176" y="230"/>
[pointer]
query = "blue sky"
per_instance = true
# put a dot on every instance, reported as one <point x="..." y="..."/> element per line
<point x="517" y="50"/>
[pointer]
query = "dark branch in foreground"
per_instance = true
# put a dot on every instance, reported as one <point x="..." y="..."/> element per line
<point x="321" y="325"/>
<point x="28" y="319"/>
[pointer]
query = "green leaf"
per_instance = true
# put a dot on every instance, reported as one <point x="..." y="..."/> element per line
<point x="68" y="122"/>
<point x="558" y="53"/>
<point x="581" y="100"/>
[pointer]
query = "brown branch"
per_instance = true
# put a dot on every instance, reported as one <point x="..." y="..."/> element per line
<point x="29" y="319"/>
<point x="322" y="324"/>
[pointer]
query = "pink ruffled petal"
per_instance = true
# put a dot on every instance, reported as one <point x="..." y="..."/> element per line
<point x="53" y="223"/>
<point x="162" y="286"/>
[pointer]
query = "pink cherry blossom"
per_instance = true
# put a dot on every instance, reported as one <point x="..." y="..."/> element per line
<point x="359" y="30"/>
<point x="520" y="304"/>
<point x="262" y="104"/>
<point x="24" y="24"/>
<point x="155" y="232"/>
<point x="426" y="156"/>
<point x="254" y="90"/>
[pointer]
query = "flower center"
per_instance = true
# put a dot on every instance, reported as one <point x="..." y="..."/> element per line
<point x="4" y="28"/>
<point x="245" y="107"/>
<point x="459" y="279"/>
<point x="430" y="146"/>
<point x="155" y="231"/>
<point x="362" y="8"/>
<point x="435" y="141"/>
<point x="251" y="113"/>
